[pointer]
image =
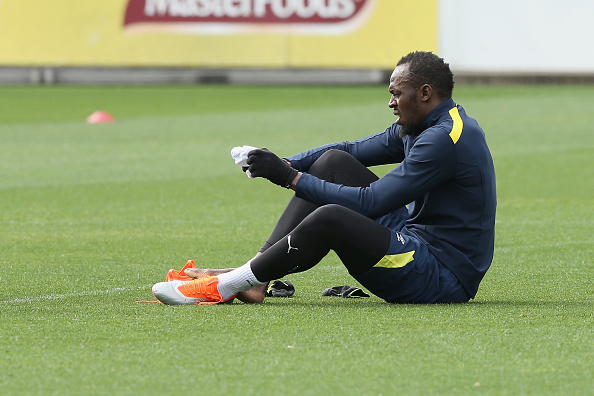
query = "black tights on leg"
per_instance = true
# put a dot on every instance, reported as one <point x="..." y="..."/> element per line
<point x="358" y="241"/>
<point x="334" y="166"/>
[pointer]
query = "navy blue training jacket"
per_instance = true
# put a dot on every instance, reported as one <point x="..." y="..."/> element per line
<point x="445" y="176"/>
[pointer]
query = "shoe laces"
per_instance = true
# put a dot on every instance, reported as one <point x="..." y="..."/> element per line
<point x="204" y="287"/>
<point x="181" y="274"/>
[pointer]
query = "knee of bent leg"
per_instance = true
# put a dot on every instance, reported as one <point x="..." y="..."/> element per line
<point x="331" y="161"/>
<point x="327" y="218"/>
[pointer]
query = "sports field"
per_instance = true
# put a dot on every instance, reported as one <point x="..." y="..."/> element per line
<point x="93" y="215"/>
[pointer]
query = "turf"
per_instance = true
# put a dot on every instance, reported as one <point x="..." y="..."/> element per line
<point x="92" y="215"/>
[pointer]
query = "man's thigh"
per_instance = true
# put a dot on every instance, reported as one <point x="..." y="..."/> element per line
<point x="410" y="273"/>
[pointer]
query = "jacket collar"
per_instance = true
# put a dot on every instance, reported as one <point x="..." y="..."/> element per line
<point x="434" y="115"/>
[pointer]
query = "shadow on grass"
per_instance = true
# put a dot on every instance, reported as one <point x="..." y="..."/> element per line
<point x="375" y="303"/>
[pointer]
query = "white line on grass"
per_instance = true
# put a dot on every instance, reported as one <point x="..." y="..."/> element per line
<point x="73" y="294"/>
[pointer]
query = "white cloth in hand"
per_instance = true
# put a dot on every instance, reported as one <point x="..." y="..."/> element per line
<point x="240" y="155"/>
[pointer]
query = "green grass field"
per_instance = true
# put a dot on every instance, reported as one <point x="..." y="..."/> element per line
<point x="93" y="215"/>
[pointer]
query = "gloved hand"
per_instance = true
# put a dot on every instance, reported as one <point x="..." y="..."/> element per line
<point x="266" y="164"/>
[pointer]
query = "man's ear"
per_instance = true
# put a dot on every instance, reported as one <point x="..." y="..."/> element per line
<point x="425" y="92"/>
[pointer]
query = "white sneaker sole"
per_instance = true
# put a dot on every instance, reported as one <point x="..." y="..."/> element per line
<point x="168" y="293"/>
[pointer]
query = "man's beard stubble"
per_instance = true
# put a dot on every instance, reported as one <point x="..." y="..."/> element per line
<point x="409" y="130"/>
<point x="412" y="128"/>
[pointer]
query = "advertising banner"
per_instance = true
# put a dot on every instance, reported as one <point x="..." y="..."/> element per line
<point x="215" y="33"/>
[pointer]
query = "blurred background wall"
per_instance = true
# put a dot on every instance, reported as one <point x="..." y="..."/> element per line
<point x="518" y="35"/>
<point x="289" y="41"/>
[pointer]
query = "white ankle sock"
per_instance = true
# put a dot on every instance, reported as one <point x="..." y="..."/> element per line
<point x="238" y="280"/>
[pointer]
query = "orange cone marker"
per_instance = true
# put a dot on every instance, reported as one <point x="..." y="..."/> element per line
<point x="100" y="117"/>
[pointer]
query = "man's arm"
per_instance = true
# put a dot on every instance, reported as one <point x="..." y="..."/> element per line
<point x="295" y="180"/>
<point x="382" y="148"/>
<point x="430" y="162"/>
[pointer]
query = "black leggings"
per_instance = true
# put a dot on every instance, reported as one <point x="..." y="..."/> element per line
<point x="306" y="232"/>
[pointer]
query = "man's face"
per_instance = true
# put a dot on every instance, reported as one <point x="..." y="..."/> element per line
<point x="405" y="102"/>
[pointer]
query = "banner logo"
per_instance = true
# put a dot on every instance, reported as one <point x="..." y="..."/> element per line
<point x="258" y="16"/>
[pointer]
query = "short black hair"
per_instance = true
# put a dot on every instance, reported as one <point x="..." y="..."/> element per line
<point x="428" y="68"/>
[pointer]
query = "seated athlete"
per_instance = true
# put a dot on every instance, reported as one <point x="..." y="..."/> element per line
<point x="423" y="233"/>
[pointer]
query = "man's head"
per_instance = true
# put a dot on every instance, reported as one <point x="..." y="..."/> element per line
<point x="419" y="83"/>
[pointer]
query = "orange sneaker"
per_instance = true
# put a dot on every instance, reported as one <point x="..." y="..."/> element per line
<point x="197" y="291"/>
<point x="180" y="275"/>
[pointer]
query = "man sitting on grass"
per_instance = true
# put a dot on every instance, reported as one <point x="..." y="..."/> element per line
<point x="435" y="251"/>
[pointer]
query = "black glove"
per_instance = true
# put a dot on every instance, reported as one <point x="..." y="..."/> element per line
<point x="345" y="291"/>
<point x="266" y="164"/>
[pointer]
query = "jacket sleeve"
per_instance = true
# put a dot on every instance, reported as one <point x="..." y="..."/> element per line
<point x="430" y="162"/>
<point x="382" y="148"/>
